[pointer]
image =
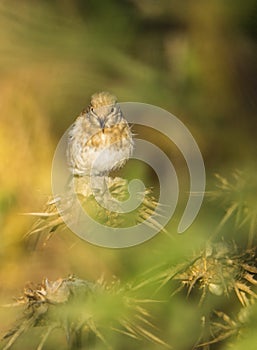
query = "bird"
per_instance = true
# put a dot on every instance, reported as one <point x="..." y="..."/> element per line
<point x="100" y="140"/>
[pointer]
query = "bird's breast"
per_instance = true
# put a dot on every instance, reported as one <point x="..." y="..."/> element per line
<point x="108" y="136"/>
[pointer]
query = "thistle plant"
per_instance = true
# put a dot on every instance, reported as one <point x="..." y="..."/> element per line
<point x="224" y="272"/>
<point x="219" y="281"/>
<point x="60" y="210"/>
<point x="82" y="310"/>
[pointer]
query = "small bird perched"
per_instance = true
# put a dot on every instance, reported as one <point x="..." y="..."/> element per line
<point x="100" y="140"/>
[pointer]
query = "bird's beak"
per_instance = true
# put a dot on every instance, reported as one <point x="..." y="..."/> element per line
<point x="102" y="124"/>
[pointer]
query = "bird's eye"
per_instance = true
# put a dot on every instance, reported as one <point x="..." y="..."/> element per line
<point x="89" y="109"/>
<point x="92" y="112"/>
<point x="112" y="110"/>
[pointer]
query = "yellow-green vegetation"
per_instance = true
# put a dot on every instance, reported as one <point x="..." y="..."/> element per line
<point x="189" y="291"/>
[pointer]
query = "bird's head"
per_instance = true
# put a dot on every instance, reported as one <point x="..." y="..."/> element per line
<point x="103" y="110"/>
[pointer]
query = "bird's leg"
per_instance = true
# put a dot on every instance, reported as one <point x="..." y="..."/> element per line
<point x="101" y="193"/>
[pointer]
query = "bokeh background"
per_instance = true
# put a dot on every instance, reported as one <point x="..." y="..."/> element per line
<point x="195" y="59"/>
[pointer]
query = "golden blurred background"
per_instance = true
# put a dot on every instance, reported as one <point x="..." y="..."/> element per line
<point x="195" y="59"/>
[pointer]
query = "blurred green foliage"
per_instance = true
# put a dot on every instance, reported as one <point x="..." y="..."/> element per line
<point x="195" y="59"/>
